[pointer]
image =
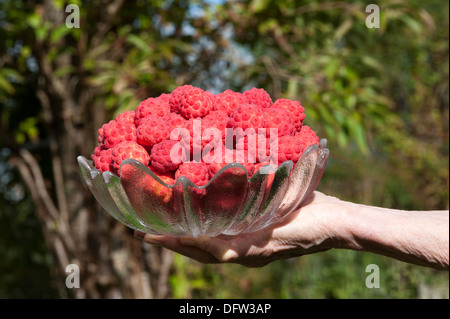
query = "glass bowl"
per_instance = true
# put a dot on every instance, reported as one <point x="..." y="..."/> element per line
<point x="230" y="203"/>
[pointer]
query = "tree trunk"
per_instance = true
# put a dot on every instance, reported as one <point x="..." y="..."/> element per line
<point x="112" y="263"/>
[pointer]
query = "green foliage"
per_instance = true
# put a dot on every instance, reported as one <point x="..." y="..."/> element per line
<point x="337" y="274"/>
<point x="380" y="97"/>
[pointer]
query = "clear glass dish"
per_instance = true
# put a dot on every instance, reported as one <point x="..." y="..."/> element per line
<point x="230" y="203"/>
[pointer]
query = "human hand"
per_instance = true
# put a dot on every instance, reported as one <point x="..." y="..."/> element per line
<point x="307" y="230"/>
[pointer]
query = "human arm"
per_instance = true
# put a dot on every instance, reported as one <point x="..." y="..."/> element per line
<point x="325" y="223"/>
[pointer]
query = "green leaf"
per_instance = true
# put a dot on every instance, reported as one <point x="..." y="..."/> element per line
<point x="41" y="33"/>
<point x="258" y="5"/>
<point x="12" y="74"/>
<point x="34" y="20"/>
<point x="59" y="33"/>
<point x="413" y="24"/>
<point x="67" y="69"/>
<point x="357" y="132"/>
<point x="28" y="128"/>
<point x="6" y="86"/>
<point x="139" y="43"/>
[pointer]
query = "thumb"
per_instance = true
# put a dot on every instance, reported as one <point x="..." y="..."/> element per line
<point x="224" y="250"/>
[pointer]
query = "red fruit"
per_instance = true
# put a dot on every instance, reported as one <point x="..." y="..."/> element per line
<point x="198" y="173"/>
<point x="259" y="97"/>
<point x="174" y="120"/>
<point x="127" y="150"/>
<point x="151" y="106"/>
<point x="279" y="119"/>
<point x="247" y="116"/>
<point x="231" y="156"/>
<point x="100" y="136"/>
<point x="219" y="120"/>
<point x="102" y="158"/>
<point x="307" y="136"/>
<point x="257" y="145"/>
<point x="200" y="136"/>
<point x="157" y="189"/>
<point x="289" y="148"/>
<point x="175" y="98"/>
<point x="194" y="102"/>
<point x="294" y="108"/>
<point x="126" y="116"/>
<point x="151" y="131"/>
<point x="228" y="101"/>
<point x="212" y="96"/>
<point x="167" y="176"/>
<point x="165" y="97"/>
<point x="116" y="132"/>
<point x="163" y="160"/>
<point x="144" y="188"/>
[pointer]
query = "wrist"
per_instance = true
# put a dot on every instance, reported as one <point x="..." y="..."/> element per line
<point x="316" y="226"/>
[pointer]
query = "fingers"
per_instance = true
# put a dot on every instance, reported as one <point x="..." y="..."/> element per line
<point x="175" y="245"/>
<point x="203" y="249"/>
<point x="221" y="249"/>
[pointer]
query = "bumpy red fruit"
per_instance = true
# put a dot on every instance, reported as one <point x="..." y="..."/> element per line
<point x="165" y="97"/>
<point x="227" y="156"/>
<point x="198" y="173"/>
<point x="151" y="106"/>
<point x="152" y="130"/>
<point x="174" y="120"/>
<point x="259" y="97"/>
<point x="100" y="136"/>
<point x="294" y="108"/>
<point x="212" y="96"/>
<point x="257" y="145"/>
<point x="126" y="116"/>
<point x="127" y="150"/>
<point x="116" y="132"/>
<point x="163" y="159"/>
<point x="144" y="188"/>
<point x="194" y="103"/>
<point x="289" y="148"/>
<point x="228" y="101"/>
<point x="280" y="120"/>
<point x="162" y="192"/>
<point x="198" y="137"/>
<point x="102" y="158"/>
<point x="307" y="136"/>
<point x="175" y="98"/>
<point x="219" y="120"/>
<point x="247" y="116"/>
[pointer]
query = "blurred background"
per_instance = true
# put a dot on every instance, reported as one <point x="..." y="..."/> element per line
<point x="379" y="95"/>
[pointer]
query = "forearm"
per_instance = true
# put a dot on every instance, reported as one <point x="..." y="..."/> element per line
<point x="326" y="223"/>
<point x="413" y="236"/>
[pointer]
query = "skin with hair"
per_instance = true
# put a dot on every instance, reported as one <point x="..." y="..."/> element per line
<point x="324" y="223"/>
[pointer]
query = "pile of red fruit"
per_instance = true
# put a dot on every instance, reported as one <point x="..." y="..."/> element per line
<point x="194" y="133"/>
